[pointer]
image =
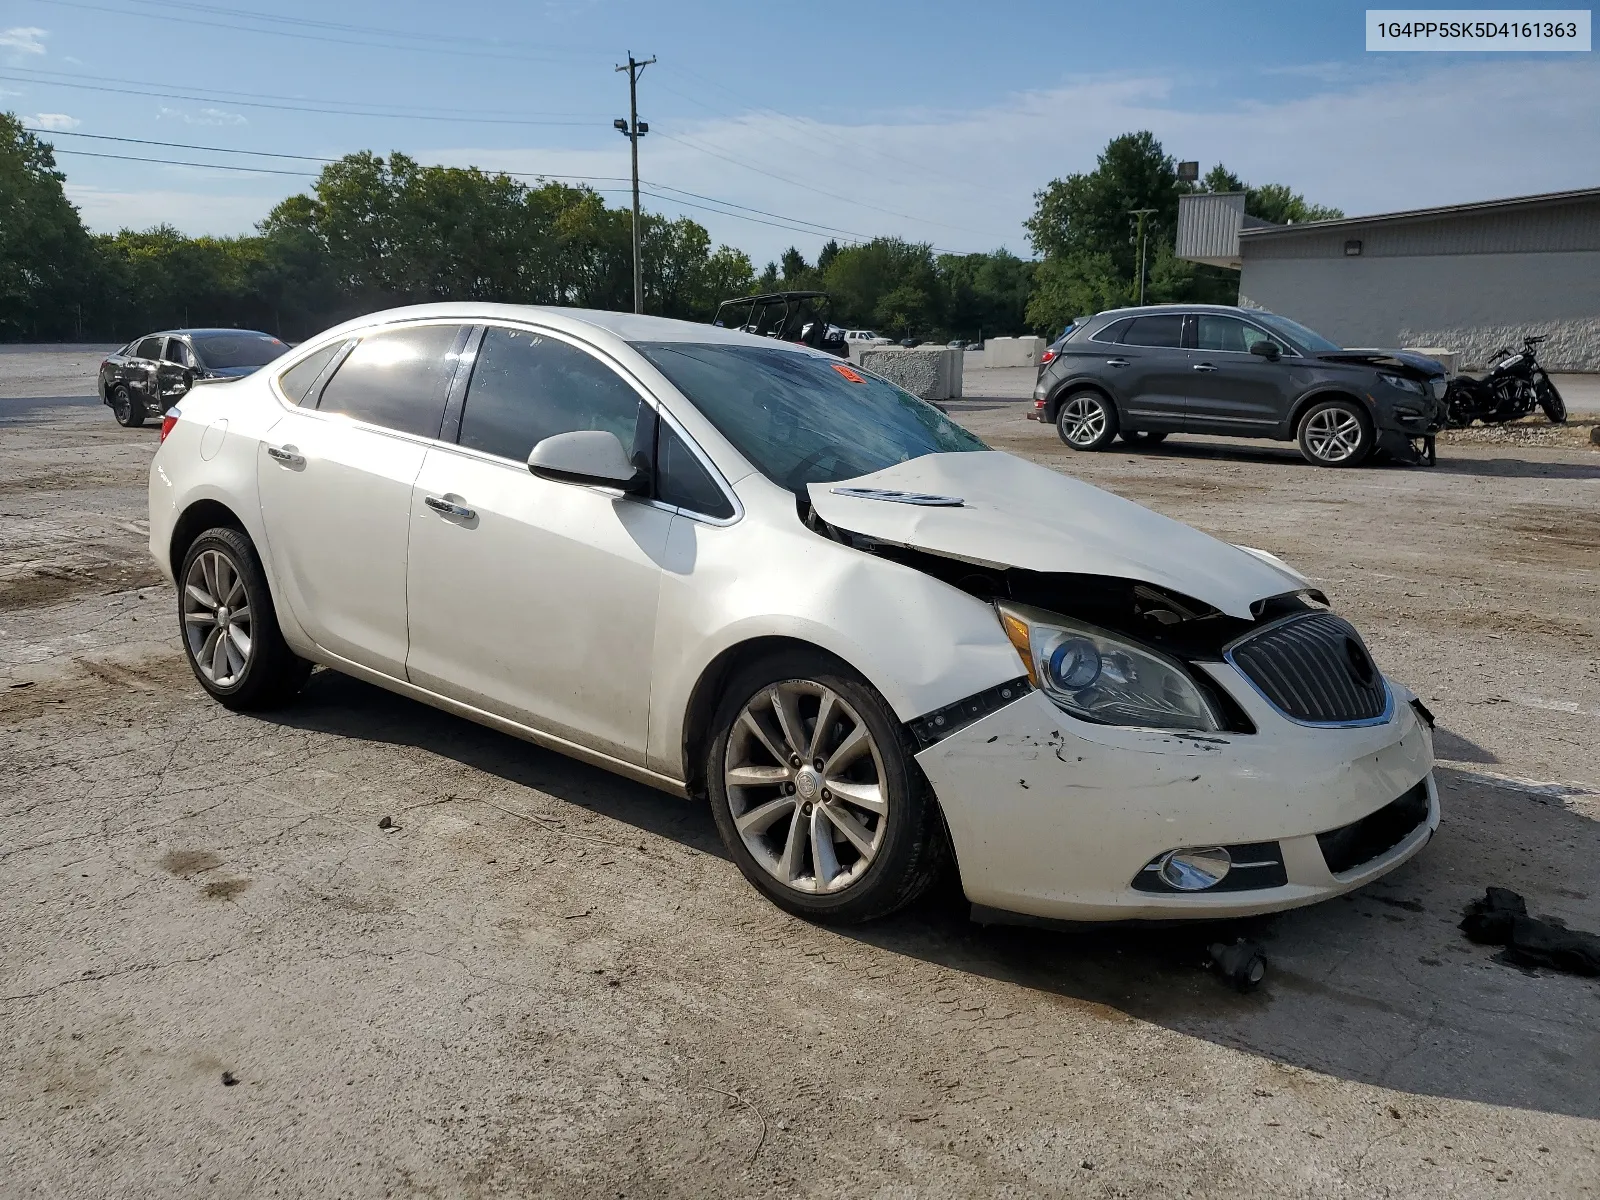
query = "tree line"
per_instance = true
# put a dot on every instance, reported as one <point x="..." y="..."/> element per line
<point x="373" y="232"/>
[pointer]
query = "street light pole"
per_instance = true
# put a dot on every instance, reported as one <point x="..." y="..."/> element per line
<point x="633" y="130"/>
<point x="1141" y="213"/>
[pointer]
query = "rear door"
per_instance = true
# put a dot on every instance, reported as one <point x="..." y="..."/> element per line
<point x="172" y="372"/>
<point x="1154" y="375"/>
<point x="335" y="484"/>
<point x="141" y="372"/>
<point x="1231" y="389"/>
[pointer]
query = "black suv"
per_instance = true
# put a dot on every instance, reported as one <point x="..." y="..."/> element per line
<point x="1176" y="368"/>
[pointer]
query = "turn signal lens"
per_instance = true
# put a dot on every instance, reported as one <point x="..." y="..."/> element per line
<point x="168" y="420"/>
<point x="1017" y="630"/>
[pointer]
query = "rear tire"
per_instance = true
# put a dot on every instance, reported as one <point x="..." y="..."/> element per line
<point x="1142" y="437"/>
<point x="850" y="842"/>
<point x="230" y="628"/>
<point x="1087" y="421"/>
<point x="1335" y="433"/>
<point x="126" y="407"/>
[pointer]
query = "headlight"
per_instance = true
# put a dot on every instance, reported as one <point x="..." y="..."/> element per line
<point x="1405" y="385"/>
<point x="1091" y="674"/>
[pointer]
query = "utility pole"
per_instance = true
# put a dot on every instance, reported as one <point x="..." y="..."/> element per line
<point x="633" y="129"/>
<point x="1141" y="213"/>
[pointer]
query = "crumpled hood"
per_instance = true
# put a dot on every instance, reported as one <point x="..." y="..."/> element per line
<point x="1420" y="363"/>
<point x="1014" y="513"/>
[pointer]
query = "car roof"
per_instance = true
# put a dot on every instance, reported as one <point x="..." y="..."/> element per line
<point x="628" y="327"/>
<point x="1157" y="309"/>
<point x="193" y="332"/>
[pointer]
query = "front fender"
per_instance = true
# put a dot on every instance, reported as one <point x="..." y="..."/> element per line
<point x="920" y="642"/>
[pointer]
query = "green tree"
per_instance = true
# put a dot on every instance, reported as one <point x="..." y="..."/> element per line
<point x="46" y="258"/>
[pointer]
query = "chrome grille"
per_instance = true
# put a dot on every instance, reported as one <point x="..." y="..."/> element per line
<point x="1313" y="668"/>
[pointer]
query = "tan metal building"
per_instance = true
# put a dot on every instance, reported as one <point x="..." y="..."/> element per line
<point x="1468" y="277"/>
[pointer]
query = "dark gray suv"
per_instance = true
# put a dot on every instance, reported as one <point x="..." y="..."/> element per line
<point x="1143" y="373"/>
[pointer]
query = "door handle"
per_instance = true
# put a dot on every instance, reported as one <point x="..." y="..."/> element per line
<point x="449" y="508"/>
<point x="1202" y="367"/>
<point x="1116" y="362"/>
<point x="286" y="455"/>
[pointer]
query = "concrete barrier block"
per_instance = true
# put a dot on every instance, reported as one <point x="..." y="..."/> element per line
<point x="932" y="372"/>
<point x="1013" y="351"/>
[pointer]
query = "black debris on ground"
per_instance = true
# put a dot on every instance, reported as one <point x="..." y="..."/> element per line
<point x="228" y="1079"/>
<point x="1501" y="919"/>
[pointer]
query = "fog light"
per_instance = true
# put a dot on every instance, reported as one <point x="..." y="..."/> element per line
<point x="1195" y="870"/>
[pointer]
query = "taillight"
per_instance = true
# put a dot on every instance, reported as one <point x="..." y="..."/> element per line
<point x="1046" y="357"/>
<point x="168" y="420"/>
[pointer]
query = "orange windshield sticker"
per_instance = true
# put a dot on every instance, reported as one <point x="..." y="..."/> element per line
<point x="848" y="373"/>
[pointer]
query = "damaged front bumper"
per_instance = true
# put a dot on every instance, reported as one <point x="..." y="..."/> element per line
<point x="1058" y="818"/>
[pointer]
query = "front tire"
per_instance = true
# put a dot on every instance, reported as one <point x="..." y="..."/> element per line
<point x="230" y="627"/>
<point x="1087" y="421"/>
<point x="849" y="840"/>
<point x="1335" y="433"/>
<point x="1550" y="400"/>
<point x="126" y="407"/>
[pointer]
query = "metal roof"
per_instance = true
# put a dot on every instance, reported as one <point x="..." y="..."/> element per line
<point x="1424" y="214"/>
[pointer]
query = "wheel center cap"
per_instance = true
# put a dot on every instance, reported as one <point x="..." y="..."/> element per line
<point x="222" y="616"/>
<point x="807" y="783"/>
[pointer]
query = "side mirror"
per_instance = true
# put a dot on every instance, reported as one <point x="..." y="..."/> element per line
<point x="586" y="456"/>
<point x="1266" y="350"/>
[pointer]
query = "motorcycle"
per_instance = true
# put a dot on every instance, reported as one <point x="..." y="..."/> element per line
<point x="1511" y="389"/>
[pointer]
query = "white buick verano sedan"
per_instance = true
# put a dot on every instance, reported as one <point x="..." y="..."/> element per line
<point x="744" y="570"/>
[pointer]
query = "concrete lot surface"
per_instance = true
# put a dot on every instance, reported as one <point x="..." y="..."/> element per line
<point x="545" y="981"/>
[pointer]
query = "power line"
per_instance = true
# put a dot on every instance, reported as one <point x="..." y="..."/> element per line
<point x="364" y="43"/>
<point x="430" y="36"/>
<point x="808" y="187"/>
<point x="219" y="98"/>
<point x="172" y="162"/>
<point x="105" y="137"/>
<point x="788" y="222"/>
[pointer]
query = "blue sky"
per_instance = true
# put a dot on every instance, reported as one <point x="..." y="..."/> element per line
<point x="935" y="121"/>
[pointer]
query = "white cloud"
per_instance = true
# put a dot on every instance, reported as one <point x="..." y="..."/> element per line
<point x="204" y="116"/>
<point x="196" y="213"/>
<point x="1379" y="141"/>
<point x="1376" y="140"/>
<point x="53" y="121"/>
<point x="23" y="39"/>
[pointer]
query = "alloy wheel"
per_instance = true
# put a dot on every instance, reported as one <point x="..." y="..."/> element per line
<point x="1083" y="420"/>
<point x="1334" y="435"/>
<point x="806" y="787"/>
<point x="217" y="622"/>
<point x="121" y="405"/>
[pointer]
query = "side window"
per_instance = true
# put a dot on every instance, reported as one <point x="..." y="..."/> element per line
<point x="681" y="480"/>
<point x="178" y="353"/>
<point x="149" y="348"/>
<point x="396" y="378"/>
<point x="1113" y="332"/>
<point x="297" y="380"/>
<point x="526" y="387"/>
<point x="1165" y="330"/>
<point x="1231" y="334"/>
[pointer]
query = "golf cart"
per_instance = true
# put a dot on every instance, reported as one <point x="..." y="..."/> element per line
<point x="789" y="316"/>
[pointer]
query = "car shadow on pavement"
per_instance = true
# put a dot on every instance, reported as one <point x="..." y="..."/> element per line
<point x="1378" y="986"/>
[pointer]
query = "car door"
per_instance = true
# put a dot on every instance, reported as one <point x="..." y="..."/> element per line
<point x="335" y="488"/>
<point x="531" y="598"/>
<point x="140" y="373"/>
<point x="1233" y="390"/>
<point x="1150" y="371"/>
<point x="173" y="372"/>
